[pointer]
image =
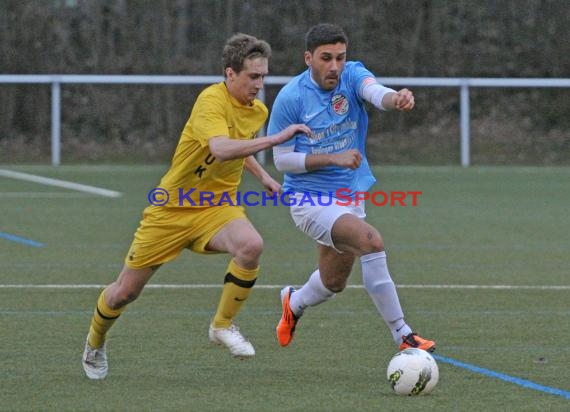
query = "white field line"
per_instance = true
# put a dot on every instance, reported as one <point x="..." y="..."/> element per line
<point x="42" y="195"/>
<point x="59" y="183"/>
<point x="218" y="286"/>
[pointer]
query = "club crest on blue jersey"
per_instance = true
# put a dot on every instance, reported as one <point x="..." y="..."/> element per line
<point x="339" y="104"/>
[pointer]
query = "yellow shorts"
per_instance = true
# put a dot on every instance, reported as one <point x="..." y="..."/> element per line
<point x="164" y="232"/>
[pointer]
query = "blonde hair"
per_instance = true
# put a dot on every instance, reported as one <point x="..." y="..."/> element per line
<point x="240" y="47"/>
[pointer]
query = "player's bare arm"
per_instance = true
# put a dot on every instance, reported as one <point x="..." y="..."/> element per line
<point x="349" y="159"/>
<point x="224" y="148"/>
<point x="270" y="184"/>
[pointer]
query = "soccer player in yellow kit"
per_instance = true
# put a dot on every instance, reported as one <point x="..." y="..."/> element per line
<point x="216" y="144"/>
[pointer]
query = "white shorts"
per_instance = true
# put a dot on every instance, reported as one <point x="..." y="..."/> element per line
<point x="317" y="216"/>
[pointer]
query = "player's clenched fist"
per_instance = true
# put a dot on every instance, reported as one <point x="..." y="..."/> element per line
<point x="404" y="100"/>
<point x="350" y="159"/>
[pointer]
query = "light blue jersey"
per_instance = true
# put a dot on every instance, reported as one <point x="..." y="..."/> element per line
<point x="339" y="122"/>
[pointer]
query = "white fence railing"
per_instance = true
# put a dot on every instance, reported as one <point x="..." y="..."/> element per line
<point x="463" y="84"/>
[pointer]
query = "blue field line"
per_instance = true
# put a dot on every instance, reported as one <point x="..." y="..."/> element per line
<point x="511" y="379"/>
<point x="19" y="239"/>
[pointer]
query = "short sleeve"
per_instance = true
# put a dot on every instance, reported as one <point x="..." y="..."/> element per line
<point x="209" y="118"/>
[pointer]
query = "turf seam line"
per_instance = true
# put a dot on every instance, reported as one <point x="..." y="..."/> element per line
<point x="19" y="239"/>
<point x="507" y="378"/>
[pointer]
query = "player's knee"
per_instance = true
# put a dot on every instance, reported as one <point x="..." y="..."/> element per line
<point x="373" y="244"/>
<point x="251" y="248"/>
<point x="376" y="244"/>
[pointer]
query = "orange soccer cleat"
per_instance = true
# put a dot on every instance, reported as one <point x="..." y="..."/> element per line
<point x="288" y="320"/>
<point x="413" y="340"/>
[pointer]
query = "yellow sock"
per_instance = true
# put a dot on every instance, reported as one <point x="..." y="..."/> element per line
<point x="103" y="319"/>
<point x="237" y="287"/>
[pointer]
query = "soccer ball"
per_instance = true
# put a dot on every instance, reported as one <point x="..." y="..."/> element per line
<point x="412" y="372"/>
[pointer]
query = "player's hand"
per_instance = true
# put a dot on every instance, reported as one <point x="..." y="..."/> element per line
<point x="404" y="100"/>
<point x="291" y="131"/>
<point x="271" y="185"/>
<point x="350" y="159"/>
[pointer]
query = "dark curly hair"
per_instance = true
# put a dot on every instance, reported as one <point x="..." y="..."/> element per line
<point x="240" y="47"/>
<point x="324" y="33"/>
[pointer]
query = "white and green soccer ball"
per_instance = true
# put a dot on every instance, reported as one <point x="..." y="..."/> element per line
<point x="412" y="372"/>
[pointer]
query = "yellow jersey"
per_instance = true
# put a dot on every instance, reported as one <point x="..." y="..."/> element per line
<point x="196" y="178"/>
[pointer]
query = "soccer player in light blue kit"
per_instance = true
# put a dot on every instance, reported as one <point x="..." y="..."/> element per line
<point x="330" y="98"/>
